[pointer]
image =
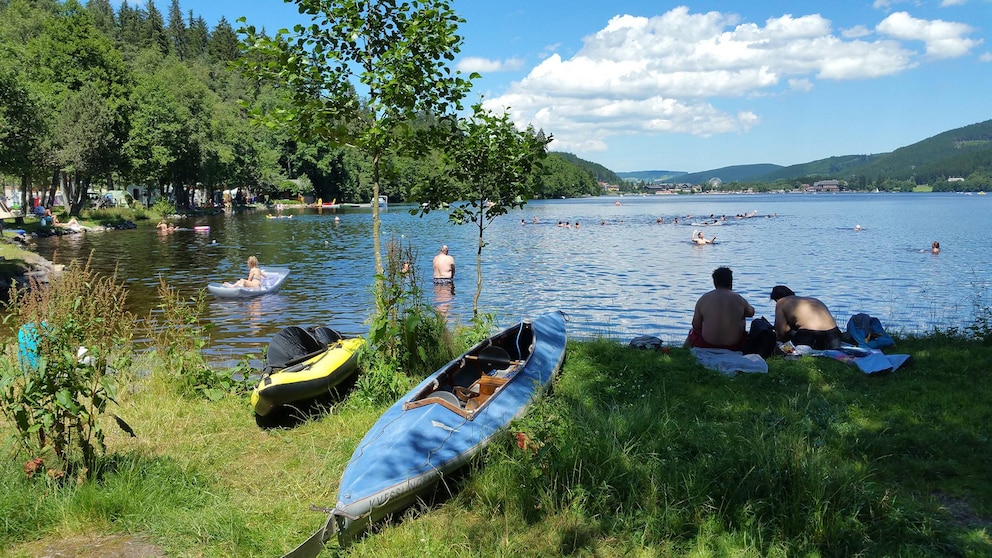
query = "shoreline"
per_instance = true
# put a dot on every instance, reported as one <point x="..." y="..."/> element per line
<point x="13" y="271"/>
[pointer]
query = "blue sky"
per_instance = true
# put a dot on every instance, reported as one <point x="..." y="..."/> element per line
<point x="640" y="85"/>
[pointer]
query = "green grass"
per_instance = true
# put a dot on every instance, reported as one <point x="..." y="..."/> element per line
<point x="635" y="453"/>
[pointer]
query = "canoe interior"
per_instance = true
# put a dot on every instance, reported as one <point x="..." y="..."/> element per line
<point x="468" y="384"/>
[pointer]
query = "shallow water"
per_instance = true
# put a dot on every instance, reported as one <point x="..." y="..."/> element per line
<point x="619" y="274"/>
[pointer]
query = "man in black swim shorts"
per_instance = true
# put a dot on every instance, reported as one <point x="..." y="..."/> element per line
<point x="444" y="267"/>
<point x="804" y="320"/>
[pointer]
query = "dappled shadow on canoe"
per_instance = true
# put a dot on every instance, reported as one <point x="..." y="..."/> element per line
<point x="450" y="485"/>
<point x="301" y="412"/>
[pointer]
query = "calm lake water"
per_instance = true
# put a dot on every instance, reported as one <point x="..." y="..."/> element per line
<point x="620" y="274"/>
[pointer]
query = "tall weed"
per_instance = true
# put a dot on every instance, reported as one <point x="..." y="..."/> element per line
<point x="408" y="337"/>
<point x="179" y="337"/>
<point x="71" y="334"/>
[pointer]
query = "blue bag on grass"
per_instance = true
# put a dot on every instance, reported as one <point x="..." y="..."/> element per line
<point x="867" y="331"/>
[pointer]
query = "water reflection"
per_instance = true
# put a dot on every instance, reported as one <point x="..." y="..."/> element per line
<point x="444" y="293"/>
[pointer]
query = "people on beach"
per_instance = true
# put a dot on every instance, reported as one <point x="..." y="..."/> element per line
<point x="444" y="267"/>
<point x="254" y="279"/>
<point x="719" y="318"/>
<point x="804" y="320"/>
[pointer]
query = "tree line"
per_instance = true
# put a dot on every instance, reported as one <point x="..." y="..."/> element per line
<point x="92" y="98"/>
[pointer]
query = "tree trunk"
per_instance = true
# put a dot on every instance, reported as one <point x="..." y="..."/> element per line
<point x="25" y="184"/>
<point x="49" y="200"/>
<point x="376" y="222"/>
<point x="478" y="260"/>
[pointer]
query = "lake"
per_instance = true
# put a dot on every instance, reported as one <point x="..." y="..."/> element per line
<point x="619" y="274"/>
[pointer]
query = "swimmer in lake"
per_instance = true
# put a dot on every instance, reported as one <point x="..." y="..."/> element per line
<point x="698" y="238"/>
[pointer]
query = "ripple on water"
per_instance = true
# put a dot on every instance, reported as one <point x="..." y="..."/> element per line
<point x="631" y="276"/>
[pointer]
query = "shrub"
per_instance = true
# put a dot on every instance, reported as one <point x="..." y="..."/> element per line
<point x="164" y="207"/>
<point x="178" y="338"/>
<point x="70" y="334"/>
<point x="408" y="337"/>
<point x="981" y="328"/>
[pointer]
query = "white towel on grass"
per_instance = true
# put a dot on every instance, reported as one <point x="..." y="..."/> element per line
<point x="729" y="362"/>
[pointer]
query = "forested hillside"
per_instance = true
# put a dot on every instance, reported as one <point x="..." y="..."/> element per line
<point x="826" y="168"/>
<point x="93" y="98"/>
<point x="651" y="176"/>
<point x="597" y="171"/>
<point x="955" y="153"/>
<point x="960" y="153"/>
<point x="736" y="173"/>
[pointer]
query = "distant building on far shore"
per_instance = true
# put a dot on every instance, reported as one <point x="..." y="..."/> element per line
<point x="825" y="186"/>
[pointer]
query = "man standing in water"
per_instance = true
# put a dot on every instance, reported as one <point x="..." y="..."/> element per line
<point x="718" y="321"/>
<point x="444" y="267"/>
<point x="444" y="280"/>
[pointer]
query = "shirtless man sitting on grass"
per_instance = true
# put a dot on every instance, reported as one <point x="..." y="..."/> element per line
<point x="718" y="322"/>
<point x="804" y="320"/>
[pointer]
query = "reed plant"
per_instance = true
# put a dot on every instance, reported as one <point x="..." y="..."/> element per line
<point x="65" y="346"/>
<point x="178" y="337"/>
<point x="408" y="338"/>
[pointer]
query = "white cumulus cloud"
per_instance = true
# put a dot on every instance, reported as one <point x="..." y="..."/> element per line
<point x="679" y="72"/>
<point x="943" y="39"/>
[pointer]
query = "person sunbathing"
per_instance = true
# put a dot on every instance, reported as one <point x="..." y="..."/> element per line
<point x="254" y="279"/>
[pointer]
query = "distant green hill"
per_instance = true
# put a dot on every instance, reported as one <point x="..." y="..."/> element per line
<point x="958" y="152"/>
<point x="831" y="167"/>
<point x="601" y="173"/>
<point x="961" y="152"/>
<point x="652" y="175"/>
<point x="735" y="173"/>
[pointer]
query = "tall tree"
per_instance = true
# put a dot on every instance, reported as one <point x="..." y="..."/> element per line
<point x="197" y="35"/>
<point x="155" y="35"/>
<point x="70" y="57"/>
<point x="396" y="52"/>
<point x="132" y="27"/>
<point x="103" y="17"/>
<point x="178" y="42"/>
<point x="223" y="44"/>
<point x="88" y="145"/>
<point x="21" y="130"/>
<point x="496" y="163"/>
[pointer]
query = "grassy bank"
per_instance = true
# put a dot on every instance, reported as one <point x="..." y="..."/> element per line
<point x="635" y="453"/>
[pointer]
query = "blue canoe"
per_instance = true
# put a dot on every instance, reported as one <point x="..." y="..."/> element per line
<point x="442" y="423"/>
<point x="274" y="277"/>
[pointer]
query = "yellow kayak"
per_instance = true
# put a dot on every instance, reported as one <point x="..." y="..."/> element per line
<point x="315" y="373"/>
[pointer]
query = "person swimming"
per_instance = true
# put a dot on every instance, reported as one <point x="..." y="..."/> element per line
<point x="935" y="247"/>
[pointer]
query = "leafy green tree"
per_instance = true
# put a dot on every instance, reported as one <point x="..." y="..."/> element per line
<point x="20" y="128"/>
<point x="169" y="129"/>
<point x="88" y="143"/>
<point x="69" y="57"/>
<point x="396" y="51"/>
<point x="496" y="163"/>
